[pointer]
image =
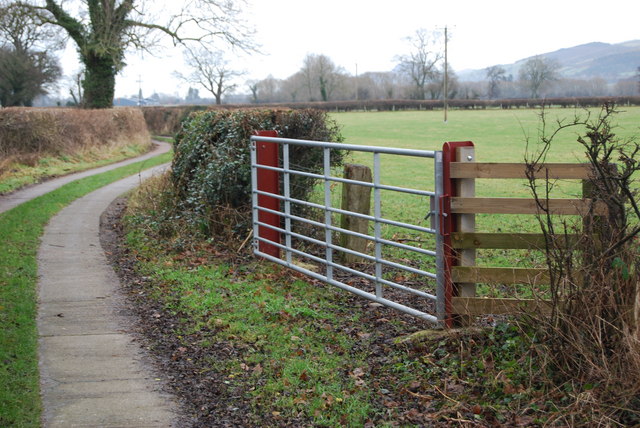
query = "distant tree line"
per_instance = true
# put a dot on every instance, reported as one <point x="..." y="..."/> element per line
<point x="419" y="75"/>
<point x="29" y="33"/>
<point x="321" y="80"/>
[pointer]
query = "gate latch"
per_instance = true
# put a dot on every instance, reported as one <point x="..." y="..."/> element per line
<point x="443" y="218"/>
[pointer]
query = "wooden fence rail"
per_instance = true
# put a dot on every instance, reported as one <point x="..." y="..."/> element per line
<point x="463" y="240"/>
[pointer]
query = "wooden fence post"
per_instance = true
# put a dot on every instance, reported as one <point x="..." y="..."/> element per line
<point x="450" y="154"/>
<point x="466" y="223"/>
<point x="355" y="198"/>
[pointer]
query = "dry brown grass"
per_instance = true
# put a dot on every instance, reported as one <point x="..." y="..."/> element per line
<point x="28" y="134"/>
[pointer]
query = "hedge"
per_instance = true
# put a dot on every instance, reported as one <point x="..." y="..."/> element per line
<point x="29" y="133"/>
<point x="211" y="172"/>
<point x="167" y="120"/>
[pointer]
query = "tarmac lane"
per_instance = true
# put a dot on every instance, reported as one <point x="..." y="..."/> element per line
<point x="18" y="197"/>
<point x="93" y="373"/>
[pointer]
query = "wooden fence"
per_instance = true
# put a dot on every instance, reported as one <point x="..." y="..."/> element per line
<point x="462" y="240"/>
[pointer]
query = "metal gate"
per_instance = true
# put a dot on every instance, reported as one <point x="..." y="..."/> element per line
<point x="274" y="215"/>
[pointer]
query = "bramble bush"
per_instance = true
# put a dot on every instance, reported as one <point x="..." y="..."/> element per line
<point x="211" y="171"/>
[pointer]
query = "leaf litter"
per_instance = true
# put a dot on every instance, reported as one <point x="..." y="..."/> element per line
<point x="409" y="376"/>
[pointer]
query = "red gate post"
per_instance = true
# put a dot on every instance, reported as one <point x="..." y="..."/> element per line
<point x="451" y="257"/>
<point x="268" y="181"/>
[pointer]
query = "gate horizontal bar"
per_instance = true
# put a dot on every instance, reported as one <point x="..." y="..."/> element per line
<point x="353" y="147"/>
<point x="499" y="275"/>
<point x="346" y="250"/>
<point x="461" y="205"/>
<point x="351" y="213"/>
<point x="353" y="290"/>
<point x="482" y="306"/>
<point x="554" y="171"/>
<point x="348" y="181"/>
<point x="430" y="253"/>
<point x="353" y="271"/>
<point x="536" y="241"/>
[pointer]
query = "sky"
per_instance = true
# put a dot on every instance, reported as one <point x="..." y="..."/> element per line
<point x="370" y="34"/>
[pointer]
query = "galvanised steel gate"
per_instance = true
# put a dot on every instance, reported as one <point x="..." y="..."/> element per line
<point x="377" y="279"/>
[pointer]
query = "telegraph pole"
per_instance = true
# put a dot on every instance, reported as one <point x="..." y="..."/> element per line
<point x="139" y="90"/>
<point x="357" y="82"/>
<point x="446" y="75"/>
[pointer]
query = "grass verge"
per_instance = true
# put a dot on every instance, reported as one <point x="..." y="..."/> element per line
<point x="250" y="343"/>
<point x="19" y="175"/>
<point x="20" y="230"/>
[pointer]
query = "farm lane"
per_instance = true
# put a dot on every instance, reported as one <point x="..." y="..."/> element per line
<point x="16" y="198"/>
<point x="92" y="372"/>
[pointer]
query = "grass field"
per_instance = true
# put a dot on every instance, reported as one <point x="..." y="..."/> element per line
<point x="498" y="136"/>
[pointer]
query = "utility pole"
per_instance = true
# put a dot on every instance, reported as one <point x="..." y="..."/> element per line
<point x="446" y="75"/>
<point x="139" y="90"/>
<point x="356" y="81"/>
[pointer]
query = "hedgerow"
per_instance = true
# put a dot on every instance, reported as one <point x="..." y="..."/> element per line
<point x="27" y="134"/>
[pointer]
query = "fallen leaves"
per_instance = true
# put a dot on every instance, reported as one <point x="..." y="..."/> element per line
<point x="357" y="375"/>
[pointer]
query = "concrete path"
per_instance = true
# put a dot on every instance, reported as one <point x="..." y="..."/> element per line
<point x="92" y="372"/>
<point x="16" y="198"/>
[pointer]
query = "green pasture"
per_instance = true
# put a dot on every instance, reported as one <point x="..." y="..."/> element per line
<point x="498" y="136"/>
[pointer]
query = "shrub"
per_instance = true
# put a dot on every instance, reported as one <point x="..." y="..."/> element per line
<point x="593" y="335"/>
<point x="212" y="167"/>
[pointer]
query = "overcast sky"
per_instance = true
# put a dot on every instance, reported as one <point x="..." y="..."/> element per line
<point x="370" y="33"/>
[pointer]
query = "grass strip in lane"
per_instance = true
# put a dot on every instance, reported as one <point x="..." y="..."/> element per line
<point x="20" y="231"/>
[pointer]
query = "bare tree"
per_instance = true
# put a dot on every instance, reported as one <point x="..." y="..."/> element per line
<point x="27" y="65"/>
<point x="294" y="86"/>
<point x="193" y="96"/>
<point x="495" y="75"/>
<point x="211" y="71"/>
<point x="253" y="87"/>
<point x="420" y="65"/>
<point x="268" y="90"/>
<point x="24" y="76"/>
<point x="537" y="72"/>
<point x="383" y="84"/>
<point x="322" y="76"/>
<point x="594" y="324"/>
<point x="75" y="88"/>
<point x="104" y="30"/>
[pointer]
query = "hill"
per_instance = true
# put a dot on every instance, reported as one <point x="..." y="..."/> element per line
<point x="611" y="62"/>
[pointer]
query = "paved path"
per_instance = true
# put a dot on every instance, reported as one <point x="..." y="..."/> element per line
<point x="92" y="373"/>
<point x="16" y="198"/>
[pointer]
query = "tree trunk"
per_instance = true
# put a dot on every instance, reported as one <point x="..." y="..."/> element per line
<point x="99" y="81"/>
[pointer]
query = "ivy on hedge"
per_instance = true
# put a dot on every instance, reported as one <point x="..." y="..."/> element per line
<point x="211" y="170"/>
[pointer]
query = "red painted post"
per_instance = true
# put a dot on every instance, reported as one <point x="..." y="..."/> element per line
<point x="448" y="225"/>
<point x="268" y="181"/>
